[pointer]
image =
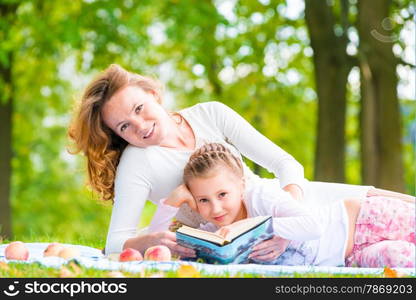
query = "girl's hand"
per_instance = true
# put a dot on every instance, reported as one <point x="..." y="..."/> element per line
<point x="270" y="249"/>
<point x="179" y="196"/>
<point x="168" y="239"/>
<point x="223" y="231"/>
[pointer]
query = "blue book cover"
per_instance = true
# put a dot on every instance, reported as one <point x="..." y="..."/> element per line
<point x="216" y="250"/>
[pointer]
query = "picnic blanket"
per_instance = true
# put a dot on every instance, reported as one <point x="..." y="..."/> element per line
<point x="93" y="258"/>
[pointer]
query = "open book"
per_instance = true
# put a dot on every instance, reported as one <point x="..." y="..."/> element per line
<point x="234" y="247"/>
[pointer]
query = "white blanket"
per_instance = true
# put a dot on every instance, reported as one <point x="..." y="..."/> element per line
<point x="93" y="258"/>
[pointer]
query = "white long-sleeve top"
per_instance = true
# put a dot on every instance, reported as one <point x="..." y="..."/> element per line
<point x="323" y="231"/>
<point x="152" y="173"/>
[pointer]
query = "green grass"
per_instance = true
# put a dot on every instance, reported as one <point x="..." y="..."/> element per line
<point x="72" y="269"/>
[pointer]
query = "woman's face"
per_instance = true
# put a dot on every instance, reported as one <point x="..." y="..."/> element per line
<point x="219" y="197"/>
<point x="136" y="116"/>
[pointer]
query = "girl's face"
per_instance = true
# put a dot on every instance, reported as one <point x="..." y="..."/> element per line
<point x="137" y="117"/>
<point x="219" y="197"/>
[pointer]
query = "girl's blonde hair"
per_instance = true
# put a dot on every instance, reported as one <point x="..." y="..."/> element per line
<point x="207" y="158"/>
<point x="100" y="145"/>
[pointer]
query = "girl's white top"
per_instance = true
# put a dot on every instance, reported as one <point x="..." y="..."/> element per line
<point x="318" y="234"/>
<point x="152" y="173"/>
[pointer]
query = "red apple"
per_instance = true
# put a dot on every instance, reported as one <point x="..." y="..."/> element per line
<point x="17" y="250"/>
<point x="53" y="249"/>
<point x="158" y="253"/>
<point x="130" y="254"/>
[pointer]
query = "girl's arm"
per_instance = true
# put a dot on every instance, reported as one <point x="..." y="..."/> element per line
<point x="255" y="146"/>
<point x="168" y="207"/>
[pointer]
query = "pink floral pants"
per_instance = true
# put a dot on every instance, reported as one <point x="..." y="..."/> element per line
<point x="384" y="234"/>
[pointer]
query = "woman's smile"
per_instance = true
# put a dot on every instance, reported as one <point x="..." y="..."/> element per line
<point x="150" y="132"/>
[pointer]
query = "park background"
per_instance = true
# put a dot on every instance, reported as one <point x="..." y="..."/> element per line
<point x="331" y="82"/>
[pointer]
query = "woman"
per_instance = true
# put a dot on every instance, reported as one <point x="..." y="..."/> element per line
<point x="136" y="150"/>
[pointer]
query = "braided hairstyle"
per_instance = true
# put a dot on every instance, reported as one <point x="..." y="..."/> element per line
<point x="207" y="158"/>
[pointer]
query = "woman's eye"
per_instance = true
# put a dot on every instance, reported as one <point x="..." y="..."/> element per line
<point x="223" y="194"/>
<point x="123" y="127"/>
<point x="203" y="200"/>
<point x="139" y="108"/>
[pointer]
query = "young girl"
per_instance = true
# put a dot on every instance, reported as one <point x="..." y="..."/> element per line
<point x="369" y="232"/>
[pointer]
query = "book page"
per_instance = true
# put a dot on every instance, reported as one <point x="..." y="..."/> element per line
<point x="242" y="226"/>
<point x="202" y="234"/>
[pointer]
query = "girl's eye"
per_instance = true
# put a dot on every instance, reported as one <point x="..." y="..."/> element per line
<point x="203" y="200"/>
<point x="124" y="127"/>
<point x="138" y="108"/>
<point x="223" y="194"/>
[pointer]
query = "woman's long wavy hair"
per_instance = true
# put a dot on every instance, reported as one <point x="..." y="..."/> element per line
<point x="100" y="145"/>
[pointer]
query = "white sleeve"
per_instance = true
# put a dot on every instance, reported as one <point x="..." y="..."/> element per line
<point x="162" y="217"/>
<point x="131" y="191"/>
<point x="255" y="146"/>
<point x="208" y="227"/>
<point x="291" y="220"/>
<point x="125" y="217"/>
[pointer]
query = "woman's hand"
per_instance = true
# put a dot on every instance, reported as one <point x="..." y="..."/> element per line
<point x="167" y="238"/>
<point x="295" y="191"/>
<point x="179" y="196"/>
<point x="270" y="249"/>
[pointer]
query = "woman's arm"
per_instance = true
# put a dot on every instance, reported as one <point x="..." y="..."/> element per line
<point x="132" y="189"/>
<point x="255" y="146"/>
<point x="125" y="215"/>
<point x="123" y="233"/>
<point x="291" y="220"/>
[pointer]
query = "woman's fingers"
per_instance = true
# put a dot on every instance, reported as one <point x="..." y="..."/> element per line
<point x="180" y="250"/>
<point x="169" y="240"/>
<point x="277" y="243"/>
<point x="261" y="252"/>
<point x="269" y="249"/>
<point x="262" y="245"/>
<point x="264" y="255"/>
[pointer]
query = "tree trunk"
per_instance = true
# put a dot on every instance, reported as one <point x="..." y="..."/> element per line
<point x="5" y="162"/>
<point x="210" y="60"/>
<point x="7" y="12"/>
<point x="381" y="132"/>
<point x="331" y="74"/>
